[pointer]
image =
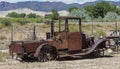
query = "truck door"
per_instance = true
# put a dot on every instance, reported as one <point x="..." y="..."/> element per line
<point x="74" y="42"/>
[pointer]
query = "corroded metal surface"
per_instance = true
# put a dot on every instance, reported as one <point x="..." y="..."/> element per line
<point x="72" y="43"/>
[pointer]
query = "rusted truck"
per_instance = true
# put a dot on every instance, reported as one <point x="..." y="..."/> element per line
<point x="114" y="40"/>
<point x="59" y="43"/>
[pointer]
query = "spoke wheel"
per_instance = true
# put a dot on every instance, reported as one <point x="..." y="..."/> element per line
<point x="47" y="53"/>
<point x="98" y="53"/>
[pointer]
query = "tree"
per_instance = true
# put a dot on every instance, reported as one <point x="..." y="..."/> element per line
<point x="89" y="10"/>
<point x="72" y="8"/>
<point x="100" y="9"/>
<point x="55" y="14"/>
<point x="117" y="10"/>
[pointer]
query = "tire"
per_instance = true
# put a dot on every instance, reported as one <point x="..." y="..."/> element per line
<point x="47" y="53"/>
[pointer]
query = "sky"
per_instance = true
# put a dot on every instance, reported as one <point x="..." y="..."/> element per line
<point x="65" y="1"/>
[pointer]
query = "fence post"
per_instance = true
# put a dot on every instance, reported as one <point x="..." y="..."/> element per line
<point x="116" y="28"/>
<point x="34" y="32"/>
<point x="11" y="32"/>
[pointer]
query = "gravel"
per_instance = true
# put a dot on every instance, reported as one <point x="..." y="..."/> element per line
<point x="112" y="62"/>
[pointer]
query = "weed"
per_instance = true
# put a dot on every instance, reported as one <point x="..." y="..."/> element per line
<point x="6" y="22"/>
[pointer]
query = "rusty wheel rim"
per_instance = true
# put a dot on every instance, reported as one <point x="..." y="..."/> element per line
<point x="47" y="54"/>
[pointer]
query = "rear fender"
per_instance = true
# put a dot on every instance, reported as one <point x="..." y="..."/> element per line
<point x="38" y="49"/>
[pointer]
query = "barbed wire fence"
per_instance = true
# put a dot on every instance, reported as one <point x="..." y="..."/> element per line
<point x="21" y="33"/>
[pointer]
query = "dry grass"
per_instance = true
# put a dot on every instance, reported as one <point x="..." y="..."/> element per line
<point x="4" y="56"/>
<point x="25" y="32"/>
<point x="103" y="27"/>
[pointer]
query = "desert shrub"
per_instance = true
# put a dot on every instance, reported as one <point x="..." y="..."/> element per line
<point x="80" y="13"/>
<point x="100" y="33"/>
<point x="54" y="15"/>
<point x="4" y="56"/>
<point x="32" y="15"/>
<point x="16" y="15"/>
<point x="73" y="8"/>
<point x="23" y="21"/>
<point x="2" y="37"/>
<point x="12" y="14"/>
<point x="111" y="16"/>
<point x="1" y="60"/>
<point x="6" y="22"/>
<point x="98" y="25"/>
<point x="22" y="15"/>
<point x="39" y="20"/>
<point x="99" y="19"/>
<point x="118" y="18"/>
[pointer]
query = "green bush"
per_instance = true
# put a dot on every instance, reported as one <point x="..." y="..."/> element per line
<point x="1" y="60"/>
<point x="111" y="16"/>
<point x="6" y="22"/>
<point x="22" y="15"/>
<point x="23" y="21"/>
<point x="16" y="15"/>
<point x="80" y="13"/>
<point x="54" y="15"/>
<point x="12" y="14"/>
<point x="99" y="19"/>
<point x="39" y="20"/>
<point x="118" y="18"/>
<point x="32" y="15"/>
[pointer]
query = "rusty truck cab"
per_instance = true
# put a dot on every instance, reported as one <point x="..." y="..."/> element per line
<point x="72" y="41"/>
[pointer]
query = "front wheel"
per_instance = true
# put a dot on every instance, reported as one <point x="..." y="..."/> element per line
<point x="47" y="53"/>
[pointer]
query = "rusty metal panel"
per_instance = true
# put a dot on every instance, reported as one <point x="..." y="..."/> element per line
<point x="17" y="48"/>
<point x="24" y="47"/>
<point x="74" y="41"/>
<point x="31" y="46"/>
<point x="58" y="44"/>
<point x="62" y="42"/>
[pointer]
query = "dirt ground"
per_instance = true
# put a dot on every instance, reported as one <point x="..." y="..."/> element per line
<point x="108" y="62"/>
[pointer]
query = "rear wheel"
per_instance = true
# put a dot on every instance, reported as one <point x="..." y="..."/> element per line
<point x="47" y="53"/>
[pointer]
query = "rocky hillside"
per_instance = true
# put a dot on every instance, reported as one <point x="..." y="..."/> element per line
<point x="28" y="11"/>
<point x="44" y="6"/>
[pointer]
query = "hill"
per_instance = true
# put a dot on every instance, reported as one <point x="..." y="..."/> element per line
<point x="45" y="6"/>
<point x="28" y="11"/>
